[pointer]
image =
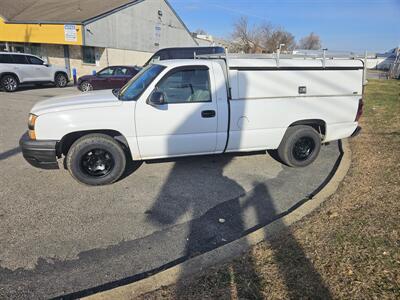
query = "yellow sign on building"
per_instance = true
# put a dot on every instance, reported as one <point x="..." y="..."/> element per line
<point x="41" y="33"/>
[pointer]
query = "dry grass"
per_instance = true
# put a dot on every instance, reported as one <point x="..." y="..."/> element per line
<point x="348" y="248"/>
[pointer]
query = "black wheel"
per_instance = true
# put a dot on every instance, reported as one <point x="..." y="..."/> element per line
<point x="96" y="159"/>
<point x="300" y="146"/>
<point x="85" y="86"/>
<point x="9" y="83"/>
<point x="61" y="80"/>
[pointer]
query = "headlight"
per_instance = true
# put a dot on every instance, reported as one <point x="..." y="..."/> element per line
<point x="31" y="126"/>
<point x="32" y="121"/>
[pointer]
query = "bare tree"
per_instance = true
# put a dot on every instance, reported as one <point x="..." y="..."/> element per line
<point x="243" y="36"/>
<point x="280" y="36"/>
<point x="200" y="31"/>
<point x="259" y="38"/>
<point x="249" y="39"/>
<point x="310" y="42"/>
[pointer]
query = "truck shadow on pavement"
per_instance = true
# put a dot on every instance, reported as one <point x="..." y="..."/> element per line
<point x="228" y="222"/>
<point x="9" y="153"/>
<point x="232" y="220"/>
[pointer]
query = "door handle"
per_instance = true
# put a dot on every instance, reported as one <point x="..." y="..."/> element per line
<point x="208" y="114"/>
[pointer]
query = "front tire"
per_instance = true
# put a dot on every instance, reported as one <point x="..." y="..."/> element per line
<point x="300" y="146"/>
<point x="85" y="86"/>
<point x="96" y="159"/>
<point x="61" y="80"/>
<point x="9" y="83"/>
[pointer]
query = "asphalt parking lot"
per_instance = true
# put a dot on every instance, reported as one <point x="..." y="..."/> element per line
<point x="58" y="237"/>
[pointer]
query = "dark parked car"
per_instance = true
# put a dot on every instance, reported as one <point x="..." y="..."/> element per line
<point x="184" y="53"/>
<point x="114" y="77"/>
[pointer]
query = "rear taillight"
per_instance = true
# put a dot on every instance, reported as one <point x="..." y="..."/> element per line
<point x="359" y="109"/>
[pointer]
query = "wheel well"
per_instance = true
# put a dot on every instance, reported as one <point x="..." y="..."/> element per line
<point x="9" y="73"/>
<point x="85" y="80"/>
<point x="66" y="142"/>
<point x="60" y="72"/>
<point x="317" y="124"/>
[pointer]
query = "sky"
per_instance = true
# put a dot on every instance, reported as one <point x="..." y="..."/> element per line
<point x="343" y="25"/>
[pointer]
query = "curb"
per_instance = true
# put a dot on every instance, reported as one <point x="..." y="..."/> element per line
<point x="236" y="248"/>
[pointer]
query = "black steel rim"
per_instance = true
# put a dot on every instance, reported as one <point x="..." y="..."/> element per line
<point x="303" y="148"/>
<point x="97" y="163"/>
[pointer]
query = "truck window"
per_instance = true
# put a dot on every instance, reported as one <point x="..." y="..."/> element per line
<point x="138" y="84"/>
<point x="186" y="86"/>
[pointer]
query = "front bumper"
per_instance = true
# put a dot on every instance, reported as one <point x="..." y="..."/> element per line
<point x="40" y="154"/>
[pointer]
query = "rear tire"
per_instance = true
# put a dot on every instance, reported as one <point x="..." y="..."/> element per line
<point x="96" y="159"/>
<point x="9" y="83"/>
<point x="61" y="80"/>
<point x="300" y="146"/>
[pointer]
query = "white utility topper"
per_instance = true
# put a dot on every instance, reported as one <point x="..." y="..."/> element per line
<point x="209" y="105"/>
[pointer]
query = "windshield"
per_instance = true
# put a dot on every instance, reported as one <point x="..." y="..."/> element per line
<point x="136" y="86"/>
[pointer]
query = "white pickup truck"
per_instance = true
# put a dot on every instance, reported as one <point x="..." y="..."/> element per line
<point x="201" y="106"/>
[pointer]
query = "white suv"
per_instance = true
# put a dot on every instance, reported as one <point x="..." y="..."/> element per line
<point x="20" y="68"/>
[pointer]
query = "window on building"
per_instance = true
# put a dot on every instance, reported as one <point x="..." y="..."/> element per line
<point x="89" y="55"/>
<point x="18" y="48"/>
<point x="187" y="86"/>
<point x="34" y="49"/>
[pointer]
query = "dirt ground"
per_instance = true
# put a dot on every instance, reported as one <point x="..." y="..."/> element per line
<point x="346" y="249"/>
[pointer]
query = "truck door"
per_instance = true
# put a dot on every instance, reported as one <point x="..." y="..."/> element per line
<point x="186" y="124"/>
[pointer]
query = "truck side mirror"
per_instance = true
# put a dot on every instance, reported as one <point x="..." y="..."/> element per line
<point x="156" y="98"/>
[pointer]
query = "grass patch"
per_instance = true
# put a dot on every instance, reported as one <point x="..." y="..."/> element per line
<point x="346" y="249"/>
